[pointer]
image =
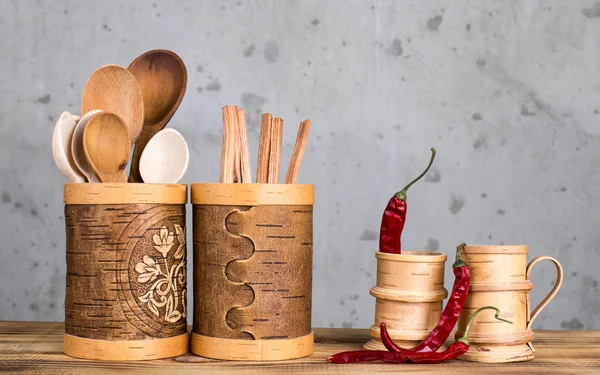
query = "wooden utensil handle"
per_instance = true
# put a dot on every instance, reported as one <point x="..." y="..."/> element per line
<point x="245" y="171"/>
<point x="122" y="177"/>
<point x="140" y="144"/>
<point x="294" y="166"/>
<point x="559" y="280"/>
<point x="264" y="148"/>
<point x="275" y="152"/>
<point x="229" y="144"/>
<point x="237" y="154"/>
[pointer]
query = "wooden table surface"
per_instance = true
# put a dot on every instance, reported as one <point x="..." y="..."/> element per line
<point x="36" y="348"/>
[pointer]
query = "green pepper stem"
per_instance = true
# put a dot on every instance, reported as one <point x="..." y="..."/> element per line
<point x="459" y="262"/>
<point x="402" y="193"/>
<point x="464" y="339"/>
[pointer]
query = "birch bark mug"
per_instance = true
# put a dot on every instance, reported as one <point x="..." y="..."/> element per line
<point x="500" y="277"/>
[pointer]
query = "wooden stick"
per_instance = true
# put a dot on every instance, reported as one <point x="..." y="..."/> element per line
<point x="296" y="160"/>
<point x="275" y="152"/>
<point x="246" y="172"/>
<point x="237" y="166"/>
<point x="264" y="148"/>
<point x="228" y="151"/>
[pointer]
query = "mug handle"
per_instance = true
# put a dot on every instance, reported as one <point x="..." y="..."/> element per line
<point x="559" y="280"/>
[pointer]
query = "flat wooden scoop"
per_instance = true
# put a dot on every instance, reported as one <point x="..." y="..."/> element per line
<point x="106" y="145"/>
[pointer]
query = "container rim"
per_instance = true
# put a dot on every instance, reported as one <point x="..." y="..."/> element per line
<point x="495" y="249"/>
<point x="253" y="194"/>
<point x="124" y="193"/>
<point x="413" y="256"/>
<point x="252" y="350"/>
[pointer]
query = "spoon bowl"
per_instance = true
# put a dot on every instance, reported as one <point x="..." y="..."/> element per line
<point x="77" y="147"/>
<point x="107" y="146"/>
<point x="114" y="89"/>
<point x="162" y="77"/>
<point x="61" y="147"/>
<point x="165" y="158"/>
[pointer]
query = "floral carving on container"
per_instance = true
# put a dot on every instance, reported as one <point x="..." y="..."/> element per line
<point x="168" y="289"/>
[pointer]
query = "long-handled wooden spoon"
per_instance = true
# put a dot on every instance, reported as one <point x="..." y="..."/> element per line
<point x="114" y="89"/>
<point x="107" y="146"/>
<point x="165" y="158"/>
<point x="61" y="146"/>
<point x="77" y="147"/>
<point x="162" y="77"/>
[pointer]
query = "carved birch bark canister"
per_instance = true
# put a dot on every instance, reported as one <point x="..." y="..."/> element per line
<point x="252" y="271"/>
<point x="500" y="278"/>
<point x="126" y="271"/>
<point x="409" y="296"/>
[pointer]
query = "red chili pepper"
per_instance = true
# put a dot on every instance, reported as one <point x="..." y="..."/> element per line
<point x="455" y="350"/>
<point x="358" y="356"/>
<point x="394" y="217"/>
<point x="449" y="317"/>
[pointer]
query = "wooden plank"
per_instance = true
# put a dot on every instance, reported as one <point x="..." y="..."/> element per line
<point x="36" y="348"/>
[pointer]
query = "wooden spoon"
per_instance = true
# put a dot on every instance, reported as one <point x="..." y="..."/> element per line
<point x="165" y="158"/>
<point x="77" y="147"/>
<point x="163" y="79"/>
<point x="114" y="89"/>
<point x="61" y="146"/>
<point x="107" y="146"/>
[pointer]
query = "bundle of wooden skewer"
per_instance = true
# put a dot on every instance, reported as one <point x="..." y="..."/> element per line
<point x="235" y="156"/>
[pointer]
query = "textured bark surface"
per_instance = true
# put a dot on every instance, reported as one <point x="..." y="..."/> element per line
<point x="126" y="271"/>
<point x="252" y="271"/>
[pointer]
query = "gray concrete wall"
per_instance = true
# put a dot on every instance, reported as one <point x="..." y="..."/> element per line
<point x="507" y="91"/>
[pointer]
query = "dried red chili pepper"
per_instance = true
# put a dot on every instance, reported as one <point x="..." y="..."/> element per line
<point x="449" y="317"/>
<point x="455" y="350"/>
<point x="358" y="356"/>
<point x="394" y="217"/>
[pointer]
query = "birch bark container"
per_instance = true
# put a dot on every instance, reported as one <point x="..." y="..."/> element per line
<point x="500" y="278"/>
<point x="126" y="271"/>
<point x="252" y="271"/>
<point x="409" y="295"/>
